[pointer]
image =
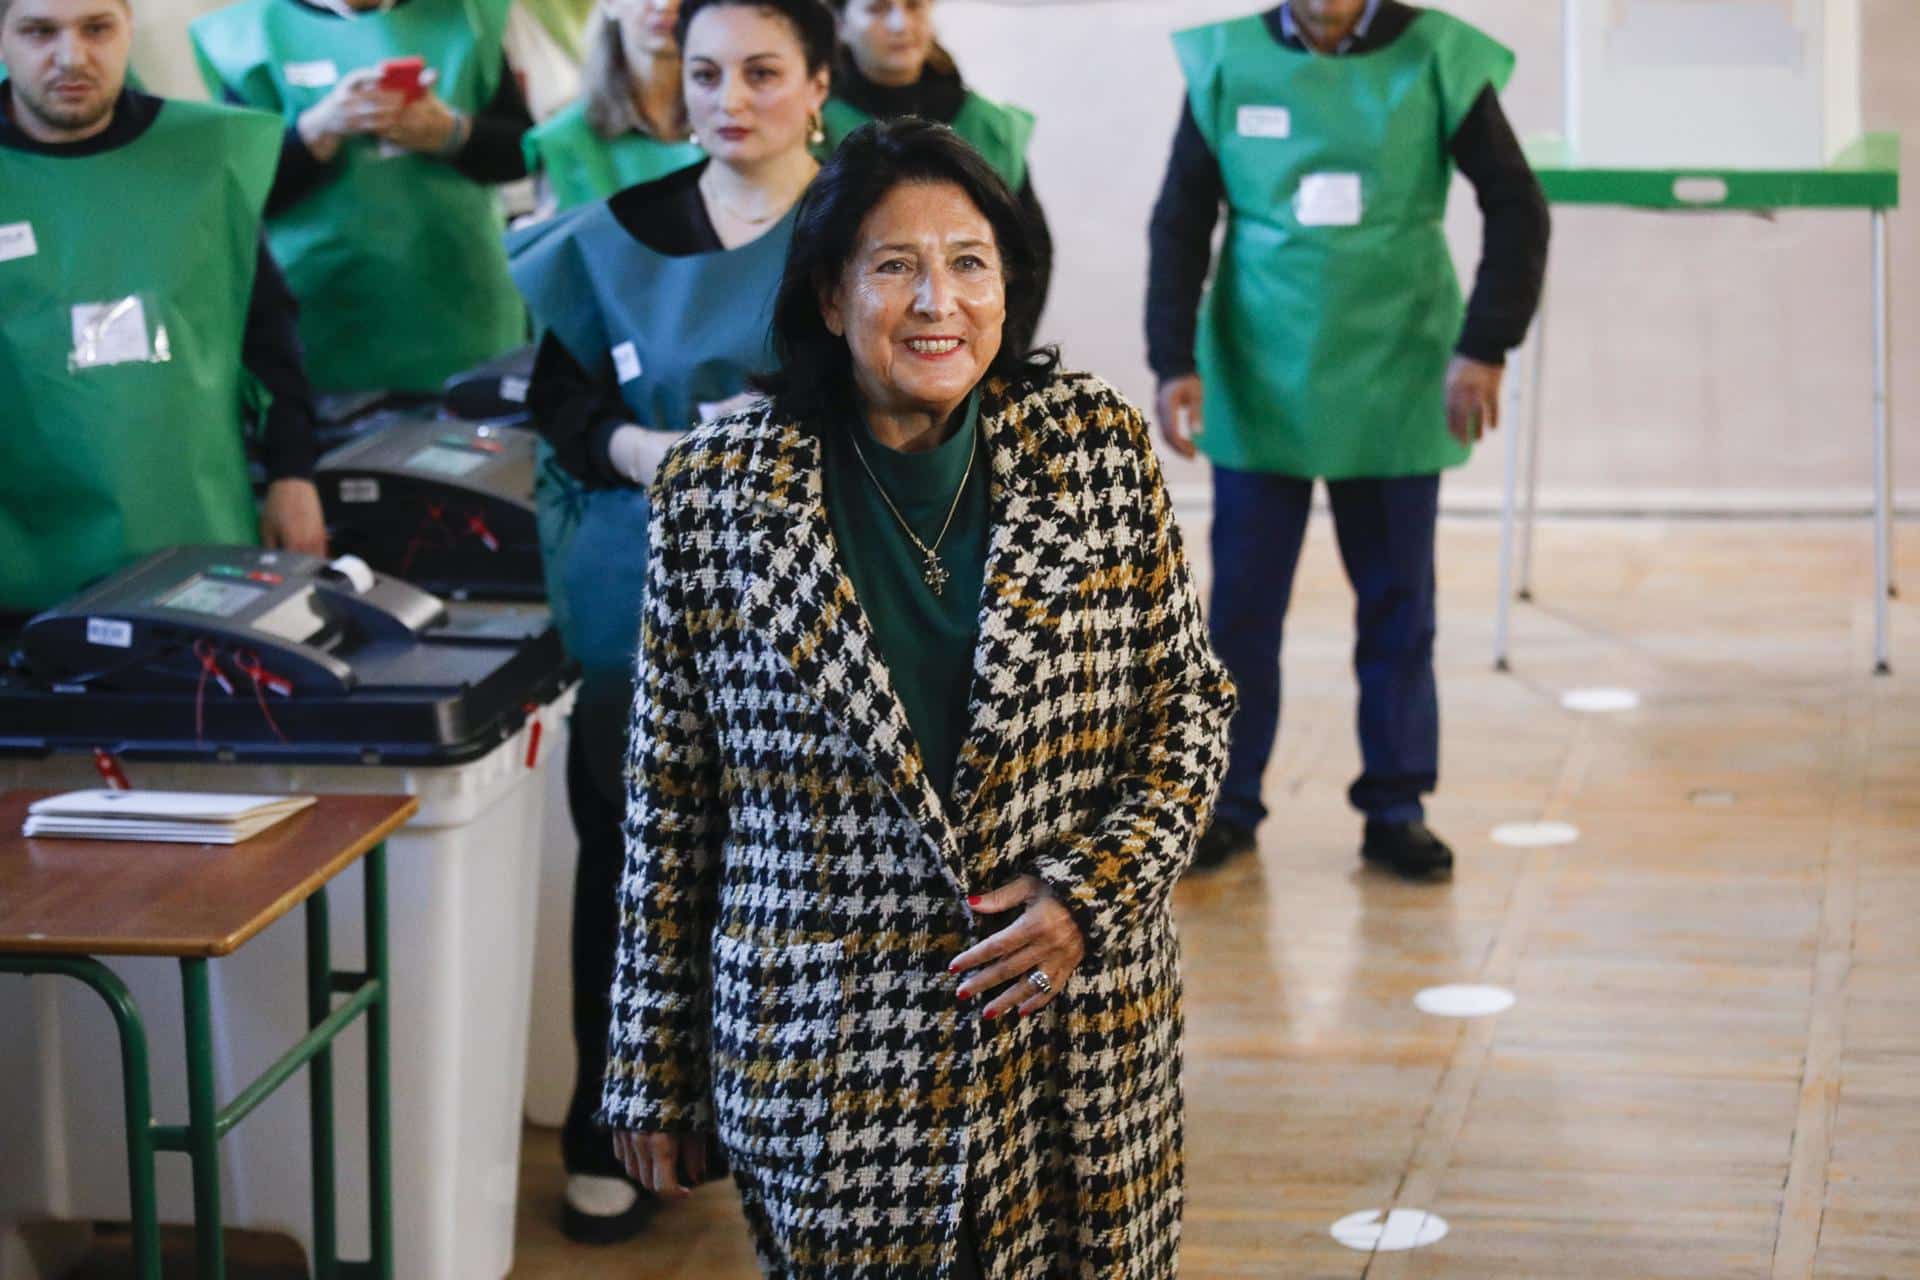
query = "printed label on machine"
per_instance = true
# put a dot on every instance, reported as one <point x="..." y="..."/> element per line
<point x="16" y="241"/>
<point x="360" y="489"/>
<point x="110" y="632"/>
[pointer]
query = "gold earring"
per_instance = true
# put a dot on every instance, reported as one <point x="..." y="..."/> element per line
<point x="817" y="130"/>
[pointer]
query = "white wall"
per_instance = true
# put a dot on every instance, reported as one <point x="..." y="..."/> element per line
<point x="1697" y="360"/>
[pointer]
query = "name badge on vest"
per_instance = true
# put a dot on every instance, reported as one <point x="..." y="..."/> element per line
<point x="16" y="241"/>
<point x="312" y="75"/>
<point x="109" y="333"/>
<point x="1265" y="122"/>
<point x="626" y="362"/>
<point x="1329" y="200"/>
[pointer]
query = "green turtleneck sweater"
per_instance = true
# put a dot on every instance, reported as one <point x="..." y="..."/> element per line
<point x="926" y="638"/>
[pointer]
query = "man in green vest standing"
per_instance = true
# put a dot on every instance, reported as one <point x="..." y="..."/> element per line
<point x="399" y="115"/>
<point x="143" y="328"/>
<point x="1333" y="345"/>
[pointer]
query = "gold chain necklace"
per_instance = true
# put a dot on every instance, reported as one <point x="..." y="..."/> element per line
<point x="934" y="570"/>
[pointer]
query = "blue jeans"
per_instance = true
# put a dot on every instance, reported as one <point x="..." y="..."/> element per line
<point x="1385" y="528"/>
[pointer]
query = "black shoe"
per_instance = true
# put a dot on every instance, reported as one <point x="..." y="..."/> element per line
<point x="582" y="1225"/>
<point x="1223" y="841"/>
<point x="1408" y="850"/>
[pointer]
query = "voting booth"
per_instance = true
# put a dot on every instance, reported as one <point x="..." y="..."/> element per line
<point x="235" y="669"/>
<point x="1745" y="84"/>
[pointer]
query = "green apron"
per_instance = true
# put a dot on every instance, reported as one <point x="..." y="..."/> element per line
<point x="397" y="262"/>
<point x="678" y="333"/>
<point x="1334" y="310"/>
<point x="582" y="166"/>
<point x="127" y="437"/>
<point x="998" y="131"/>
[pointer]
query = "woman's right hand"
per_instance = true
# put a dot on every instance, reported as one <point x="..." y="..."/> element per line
<point x="1180" y="401"/>
<point x="658" y="1160"/>
<point x="357" y="105"/>
<point x="637" y="453"/>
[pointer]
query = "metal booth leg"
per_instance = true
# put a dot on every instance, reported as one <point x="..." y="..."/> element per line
<point x="1509" y="500"/>
<point x="1883" y="586"/>
<point x="1535" y="398"/>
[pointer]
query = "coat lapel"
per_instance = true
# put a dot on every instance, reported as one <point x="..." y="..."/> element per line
<point x="1036" y="556"/>
<point x="798" y="596"/>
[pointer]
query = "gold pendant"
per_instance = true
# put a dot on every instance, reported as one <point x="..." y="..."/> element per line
<point x="935" y="574"/>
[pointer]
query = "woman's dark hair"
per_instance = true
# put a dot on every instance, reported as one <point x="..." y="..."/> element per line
<point x="811" y="20"/>
<point x="813" y="382"/>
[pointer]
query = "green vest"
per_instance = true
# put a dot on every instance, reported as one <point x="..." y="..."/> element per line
<point x="999" y="132"/>
<point x="1334" y="310"/>
<point x="582" y="166"/>
<point x="126" y="277"/>
<point x="397" y="262"/>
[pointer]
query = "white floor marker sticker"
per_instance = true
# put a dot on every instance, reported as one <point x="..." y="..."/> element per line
<point x="1462" y="1000"/>
<point x="1402" y="1229"/>
<point x="1600" y="701"/>
<point x="1535" y="835"/>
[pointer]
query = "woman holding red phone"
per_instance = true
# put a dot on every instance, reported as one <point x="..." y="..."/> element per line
<point x="401" y="115"/>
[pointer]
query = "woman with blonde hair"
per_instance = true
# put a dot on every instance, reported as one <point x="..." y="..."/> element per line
<point x="630" y="123"/>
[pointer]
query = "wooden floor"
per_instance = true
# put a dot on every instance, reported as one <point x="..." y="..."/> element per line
<point x="1713" y="1068"/>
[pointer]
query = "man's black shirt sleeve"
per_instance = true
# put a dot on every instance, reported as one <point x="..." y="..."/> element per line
<point x="1514" y="232"/>
<point x="1180" y="248"/>
<point x="271" y="352"/>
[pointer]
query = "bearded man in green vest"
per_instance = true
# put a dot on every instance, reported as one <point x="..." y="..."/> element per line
<point x="383" y="214"/>
<point x="1333" y="345"/>
<point x="143" y="328"/>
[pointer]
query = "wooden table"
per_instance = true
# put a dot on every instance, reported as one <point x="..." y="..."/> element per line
<point x="64" y="903"/>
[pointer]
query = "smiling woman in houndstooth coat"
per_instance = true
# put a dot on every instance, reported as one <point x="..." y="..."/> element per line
<point x="926" y="727"/>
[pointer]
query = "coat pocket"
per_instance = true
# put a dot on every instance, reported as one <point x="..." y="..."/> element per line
<point x="776" y="1041"/>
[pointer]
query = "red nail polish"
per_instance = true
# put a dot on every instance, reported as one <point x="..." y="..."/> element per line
<point x="974" y="900"/>
<point x="989" y="1015"/>
<point x="964" y="996"/>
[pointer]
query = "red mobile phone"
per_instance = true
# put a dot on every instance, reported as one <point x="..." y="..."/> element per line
<point x="402" y="76"/>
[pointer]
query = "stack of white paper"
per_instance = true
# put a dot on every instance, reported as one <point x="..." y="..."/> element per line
<point x="176" y="817"/>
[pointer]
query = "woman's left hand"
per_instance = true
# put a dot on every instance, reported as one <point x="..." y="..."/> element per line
<point x="1044" y="938"/>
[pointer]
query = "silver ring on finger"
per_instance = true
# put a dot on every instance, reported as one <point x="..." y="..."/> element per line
<point x="1040" y="982"/>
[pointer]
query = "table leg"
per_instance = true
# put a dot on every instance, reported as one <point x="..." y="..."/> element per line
<point x="1535" y="397"/>
<point x="320" y="1089"/>
<point x="203" y="1123"/>
<point x="379" y="1083"/>
<point x="136" y="1088"/>
<point x="1882" y="456"/>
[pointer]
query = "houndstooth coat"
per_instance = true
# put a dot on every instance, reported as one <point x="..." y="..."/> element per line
<point x="795" y="888"/>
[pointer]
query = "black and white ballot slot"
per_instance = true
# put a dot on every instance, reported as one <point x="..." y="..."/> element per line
<point x="442" y="503"/>
<point x="228" y="649"/>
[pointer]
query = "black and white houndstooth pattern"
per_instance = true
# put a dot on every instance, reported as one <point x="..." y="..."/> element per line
<point x="795" y="888"/>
